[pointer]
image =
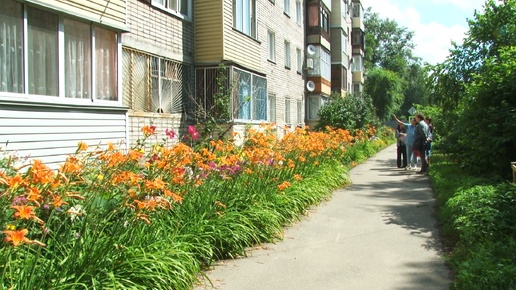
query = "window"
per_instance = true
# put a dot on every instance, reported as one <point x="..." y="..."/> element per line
<point x="288" y="120"/>
<point x="299" y="112"/>
<point x="244" y="16"/>
<point x="299" y="12"/>
<point x="325" y="20"/>
<point x="357" y="64"/>
<point x="286" y="7"/>
<point x="11" y="39"/>
<point x="271" y="45"/>
<point x="271" y="101"/>
<point x="154" y="84"/>
<point x="250" y="96"/>
<point x="210" y="83"/>
<point x="299" y="60"/>
<point x="89" y="55"/>
<point x="325" y="64"/>
<point x="178" y="7"/>
<point x="314" y="104"/>
<point x="287" y="55"/>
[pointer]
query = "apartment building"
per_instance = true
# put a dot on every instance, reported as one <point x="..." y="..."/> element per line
<point x="358" y="47"/>
<point x="97" y="71"/>
<point x="261" y="44"/>
<point x="335" y="52"/>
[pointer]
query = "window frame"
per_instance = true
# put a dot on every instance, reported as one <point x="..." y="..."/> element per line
<point x="239" y="16"/>
<point x="251" y="103"/>
<point x="286" y="7"/>
<point x="288" y="117"/>
<point x="299" y="12"/>
<point x="175" y="12"/>
<point x="288" y="58"/>
<point x="115" y="97"/>
<point x="271" y="46"/>
<point x="299" y="60"/>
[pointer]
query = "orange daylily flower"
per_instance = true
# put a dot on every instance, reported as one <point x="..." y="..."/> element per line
<point x="82" y="146"/>
<point x="26" y="212"/>
<point x="284" y="185"/>
<point x="15" y="181"/>
<point x="17" y="237"/>
<point x="23" y="211"/>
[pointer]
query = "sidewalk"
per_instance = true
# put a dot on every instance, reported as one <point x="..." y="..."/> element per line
<point x="378" y="233"/>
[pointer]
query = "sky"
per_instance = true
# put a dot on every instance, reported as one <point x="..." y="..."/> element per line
<point x="436" y="23"/>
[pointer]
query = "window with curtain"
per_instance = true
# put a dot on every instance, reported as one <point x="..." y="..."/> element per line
<point x="11" y="47"/>
<point x="106" y="61"/>
<point x="77" y="59"/>
<point x="43" y="52"/>
<point x="89" y="55"/>
<point x="271" y="45"/>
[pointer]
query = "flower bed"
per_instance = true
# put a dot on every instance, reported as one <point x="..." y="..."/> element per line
<point x="152" y="217"/>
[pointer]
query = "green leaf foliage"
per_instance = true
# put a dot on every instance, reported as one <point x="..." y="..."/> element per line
<point x="350" y="112"/>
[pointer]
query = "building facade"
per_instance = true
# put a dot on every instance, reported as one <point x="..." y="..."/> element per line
<point x="97" y="71"/>
<point x="59" y="76"/>
<point x="261" y="44"/>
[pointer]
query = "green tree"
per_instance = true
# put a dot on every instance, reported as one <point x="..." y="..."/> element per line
<point x="390" y="58"/>
<point x="386" y="90"/>
<point x="475" y="88"/>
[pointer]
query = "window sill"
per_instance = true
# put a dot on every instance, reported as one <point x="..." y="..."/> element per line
<point x="286" y="14"/>
<point x="66" y="103"/>
<point x="271" y="61"/>
<point x="247" y="35"/>
<point x="287" y="67"/>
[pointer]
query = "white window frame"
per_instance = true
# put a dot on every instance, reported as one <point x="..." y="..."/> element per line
<point x="288" y="61"/>
<point x="299" y="60"/>
<point x="288" y="118"/>
<point x="244" y="17"/>
<point x="313" y="105"/>
<point x="271" y="108"/>
<point x="61" y="97"/>
<point x="286" y="7"/>
<point x="299" y="12"/>
<point x="246" y="110"/>
<point x="173" y="7"/>
<point x="300" y="120"/>
<point x="271" y="45"/>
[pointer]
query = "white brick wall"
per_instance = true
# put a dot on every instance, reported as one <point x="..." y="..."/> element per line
<point x="282" y="82"/>
<point x="155" y="31"/>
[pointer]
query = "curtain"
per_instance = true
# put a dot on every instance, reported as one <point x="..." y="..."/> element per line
<point x="42" y="48"/>
<point x="105" y="60"/>
<point x="77" y="59"/>
<point x="11" y="47"/>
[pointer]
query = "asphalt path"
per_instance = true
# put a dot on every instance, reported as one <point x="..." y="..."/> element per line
<point x="378" y="233"/>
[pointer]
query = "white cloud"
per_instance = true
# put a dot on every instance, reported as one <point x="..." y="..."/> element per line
<point x="432" y="40"/>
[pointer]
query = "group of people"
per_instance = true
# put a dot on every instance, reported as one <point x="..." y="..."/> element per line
<point x="414" y="143"/>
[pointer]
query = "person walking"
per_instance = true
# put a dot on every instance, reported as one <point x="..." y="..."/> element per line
<point x="420" y="141"/>
<point x="428" y="148"/>
<point x="409" y="142"/>
<point x="401" y="135"/>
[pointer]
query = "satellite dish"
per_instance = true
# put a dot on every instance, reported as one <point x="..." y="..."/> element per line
<point x="310" y="49"/>
<point x="310" y="86"/>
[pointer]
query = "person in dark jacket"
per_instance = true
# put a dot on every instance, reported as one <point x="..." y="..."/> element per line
<point x="420" y="141"/>
<point x="401" y="134"/>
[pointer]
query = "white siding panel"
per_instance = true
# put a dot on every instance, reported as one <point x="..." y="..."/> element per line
<point x="52" y="134"/>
